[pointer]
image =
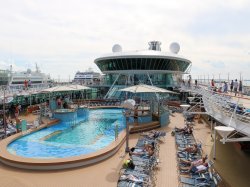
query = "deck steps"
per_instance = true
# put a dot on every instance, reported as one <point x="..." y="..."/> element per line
<point x="144" y="127"/>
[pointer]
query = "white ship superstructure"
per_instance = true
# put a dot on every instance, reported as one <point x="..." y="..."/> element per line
<point x="87" y="77"/>
<point x="34" y="77"/>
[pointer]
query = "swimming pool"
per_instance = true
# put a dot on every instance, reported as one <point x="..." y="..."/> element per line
<point x="68" y="139"/>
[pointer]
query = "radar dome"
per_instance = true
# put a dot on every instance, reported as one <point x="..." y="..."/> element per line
<point x="28" y="70"/>
<point x="116" y="48"/>
<point x="174" y="47"/>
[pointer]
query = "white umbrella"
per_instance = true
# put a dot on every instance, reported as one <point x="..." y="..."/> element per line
<point x="6" y="99"/>
<point x="65" y="88"/>
<point x="58" y="89"/>
<point x="143" y="88"/>
<point x="79" y="87"/>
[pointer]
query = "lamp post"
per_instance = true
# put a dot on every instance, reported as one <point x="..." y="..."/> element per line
<point x="4" y="118"/>
<point x="185" y="108"/>
<point x="127" y="105"/>
<point x="127" y="131"/>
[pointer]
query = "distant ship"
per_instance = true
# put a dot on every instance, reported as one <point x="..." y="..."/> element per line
<point x="4" y="77"/>
<point x="87" y="77"/>
<point x="36" y="77"/>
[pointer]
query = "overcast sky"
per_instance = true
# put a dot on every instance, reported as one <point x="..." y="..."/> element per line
<point x="64" y="36"/>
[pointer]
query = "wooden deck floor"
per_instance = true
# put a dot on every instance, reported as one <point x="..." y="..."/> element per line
<point x="106" y="173"/>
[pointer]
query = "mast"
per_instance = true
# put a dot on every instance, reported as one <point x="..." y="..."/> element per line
<point x="37" y="68"/>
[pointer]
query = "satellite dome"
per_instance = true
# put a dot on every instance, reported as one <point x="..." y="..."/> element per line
<point x="116" y="48"/>
<point x="174" y="47"/>
<point x="28" y="70"/>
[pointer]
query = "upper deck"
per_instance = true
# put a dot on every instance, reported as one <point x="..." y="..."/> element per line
<point x="227" y="109"/>
<point x="150" y="61"/>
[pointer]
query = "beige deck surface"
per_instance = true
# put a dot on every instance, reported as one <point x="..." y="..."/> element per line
<point x="245" y="100"/>
<point x="103" y="174"/>
<point x="106" y="173"/>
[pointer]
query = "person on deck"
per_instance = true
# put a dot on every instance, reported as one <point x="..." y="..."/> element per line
<point x="29" y="83"/>
<point x="235" y="87"/>
<point x="18" y="125"/>
<point x="196" y="169"/>
<point x="188" y="129"/>
<point x="212" y="84"/>
<point x="25" y="84"/>
<point x="225" y="87"/>
<point x="191" y="149"/>
<point x="195" y="162"/>
<point x="136" y="114"/>
<point x="240" y="89"/>
<point x="16" y="111"/>
<point x="148" y="152"/>
<point x="231" y="86"/>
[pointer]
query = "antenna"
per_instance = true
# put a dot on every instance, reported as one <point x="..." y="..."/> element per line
<point x="154" y="45"/>
<point x="37" y="68"/>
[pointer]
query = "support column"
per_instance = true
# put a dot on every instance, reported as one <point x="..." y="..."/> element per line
<point x="211" y="127"/>
<point x="214" y="155"/>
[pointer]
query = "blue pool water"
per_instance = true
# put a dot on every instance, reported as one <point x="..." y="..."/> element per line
<point x="66" y="140"/>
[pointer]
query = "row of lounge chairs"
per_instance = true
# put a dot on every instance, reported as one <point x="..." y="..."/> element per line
<point x="93" y="104"/>
<point x="142" y="172"/>
<point x="242" y="113"/>
<point x="190" y="177"/>
<point x="10" y="130"/>
<point x="174" y="109"/>
<point x="224" y="104"/>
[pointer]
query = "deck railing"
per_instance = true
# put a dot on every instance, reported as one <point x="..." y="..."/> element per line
<point x="223" y="108"/>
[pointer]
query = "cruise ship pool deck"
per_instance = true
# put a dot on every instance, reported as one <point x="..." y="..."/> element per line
<point x="231" y="163"/>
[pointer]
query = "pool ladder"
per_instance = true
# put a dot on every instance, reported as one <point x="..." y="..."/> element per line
<point x="73" y="122"/>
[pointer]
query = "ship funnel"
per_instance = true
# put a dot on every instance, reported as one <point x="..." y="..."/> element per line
<point x="224" y="132"/>
<point x="155" y="45"/>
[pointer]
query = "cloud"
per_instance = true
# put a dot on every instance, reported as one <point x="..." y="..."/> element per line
<point x="66" y="36"/>
<point x="216" y="65"/>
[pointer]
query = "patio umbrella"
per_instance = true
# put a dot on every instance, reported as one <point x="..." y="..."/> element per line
<point x="79" y="87"/>
<point x="6" y="99"/>
<point x="64" y="88"/>
<point x="58" y="89"/>
<point x="143" y="88"/>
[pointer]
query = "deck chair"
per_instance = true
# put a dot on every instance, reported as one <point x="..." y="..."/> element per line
<point x="139" y="174"/>
<point x="131" y="178"/>
<point x="216" y="179"/>
<point x="2" y="135"/>
<point x="128" y="184"/>
<point x="36" y="123"/>
<point x="195" y="181"/>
